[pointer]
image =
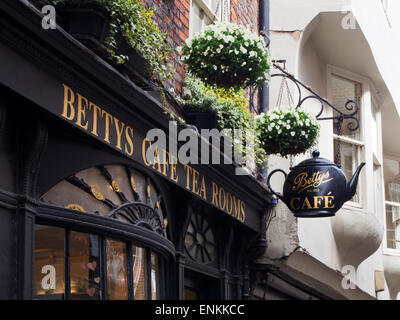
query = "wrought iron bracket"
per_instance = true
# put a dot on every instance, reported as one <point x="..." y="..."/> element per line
<point x="351" y="105"/>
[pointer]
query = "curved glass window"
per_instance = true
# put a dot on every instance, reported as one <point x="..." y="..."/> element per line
<point x="81" y="266"/>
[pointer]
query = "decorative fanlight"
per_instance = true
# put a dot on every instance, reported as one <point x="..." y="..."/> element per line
<point x="117" y="192"/>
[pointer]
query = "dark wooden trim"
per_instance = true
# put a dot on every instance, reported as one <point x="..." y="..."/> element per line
<point x="64" y="57"/>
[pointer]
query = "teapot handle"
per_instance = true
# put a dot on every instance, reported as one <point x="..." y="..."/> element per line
<point x="269" y="185"/>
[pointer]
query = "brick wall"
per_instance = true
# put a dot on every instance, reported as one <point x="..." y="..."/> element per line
<point x="245" y="12"/>
<point x="172" y="17"/>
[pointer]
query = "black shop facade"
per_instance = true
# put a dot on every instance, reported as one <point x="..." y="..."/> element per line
<point x="83" y="214"/>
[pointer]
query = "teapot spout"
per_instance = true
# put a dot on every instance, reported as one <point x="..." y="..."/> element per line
<point x="352" y="184"/>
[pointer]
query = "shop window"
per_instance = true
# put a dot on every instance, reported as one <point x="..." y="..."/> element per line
<point x="199" y="240"/>
<point x="69" y="265"/>
<point x="155" y="281"/>
<point x="49" y="272"/>
<point x="92" y="266"/>
<point x="85" y="266"/>
<point x="205" y="12"/>
<point x="139" y="273"/>
<point x="117" y="282"/>
<point x="347" y="143"/>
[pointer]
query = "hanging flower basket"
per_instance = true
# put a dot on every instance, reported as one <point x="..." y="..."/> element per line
<point x="227" y="55"/>
<point x="287" y="132"/>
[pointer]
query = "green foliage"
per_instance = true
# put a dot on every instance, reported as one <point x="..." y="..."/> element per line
<point x="131" y="20"/>
<point x="287" y="132"/>
<point x="227" y="55"/>
<point x="231" y="108"/>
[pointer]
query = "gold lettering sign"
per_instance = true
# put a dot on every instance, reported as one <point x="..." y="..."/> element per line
<point x="302" y="181"/>
<point x="87" y="115"/>
<point x="312" y="203"/>
<point x="106" y="127"/>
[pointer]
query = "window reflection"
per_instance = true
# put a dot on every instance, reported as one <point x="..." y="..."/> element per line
<point x="116" y="270"/>
<point x="343" y="90"/>
<point x="349" y="159"/>
<point x="54" y="247"/>
<point x="85" y="266"/>
<point x="139" y="273"/>
<point x="49" y="266"/>
<point x="155" y="281"/>
<point x="392" y="194"/>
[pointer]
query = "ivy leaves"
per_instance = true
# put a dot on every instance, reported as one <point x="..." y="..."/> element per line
<point x="130" y="20"/>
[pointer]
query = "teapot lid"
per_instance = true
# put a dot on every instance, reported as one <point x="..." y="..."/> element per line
<point x="316" y="161"/>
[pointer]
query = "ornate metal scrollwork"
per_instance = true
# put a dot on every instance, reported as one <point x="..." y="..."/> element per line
<point x="351" y="105"/>
<point x="129" y="197"/>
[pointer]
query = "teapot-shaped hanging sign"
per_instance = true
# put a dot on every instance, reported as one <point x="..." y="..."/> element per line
<point x="316" y="187"/>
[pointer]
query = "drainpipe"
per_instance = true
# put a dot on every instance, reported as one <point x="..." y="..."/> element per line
<point x="264" y="28"/>
<point x="264" y="107"/>
<point x="264" y="91"/>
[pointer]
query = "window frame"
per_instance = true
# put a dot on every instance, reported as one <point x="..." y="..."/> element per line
<point x="104" y="227"/>
<point x="386" y="250"/>
<point x="368" y="97"/>
<point x="103" y="265"/>
<point x="223" y="14"/>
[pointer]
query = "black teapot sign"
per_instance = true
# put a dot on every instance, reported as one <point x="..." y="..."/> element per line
<point x="316" y="187"/>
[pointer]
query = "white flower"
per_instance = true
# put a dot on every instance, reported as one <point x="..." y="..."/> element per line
<point x="273" y="124"/>
<point x="292" y="133"/>
<point x="243" y="49"/>
<point x="303" y="133"/>
<point x="253" y="54"/>
<point x="244" y="63"/>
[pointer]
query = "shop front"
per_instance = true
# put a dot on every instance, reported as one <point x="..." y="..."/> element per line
<point x="83" y="213"/>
